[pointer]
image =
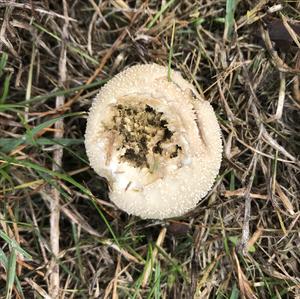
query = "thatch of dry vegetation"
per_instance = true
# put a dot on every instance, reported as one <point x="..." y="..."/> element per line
<point x="60" y="237"/>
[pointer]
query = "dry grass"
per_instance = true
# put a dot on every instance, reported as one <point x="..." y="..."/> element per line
<point x="242" y="241"/>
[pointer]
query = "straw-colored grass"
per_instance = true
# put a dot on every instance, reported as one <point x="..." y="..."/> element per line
<point x="60" y="237"/>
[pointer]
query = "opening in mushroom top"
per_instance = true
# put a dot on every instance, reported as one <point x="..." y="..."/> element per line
<point x="140" y="135"/>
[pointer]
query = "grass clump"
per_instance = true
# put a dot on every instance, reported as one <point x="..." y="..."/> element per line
<point x="242" y="241"/>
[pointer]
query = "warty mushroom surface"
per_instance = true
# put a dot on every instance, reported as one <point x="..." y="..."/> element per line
<point x="157" y="142"/>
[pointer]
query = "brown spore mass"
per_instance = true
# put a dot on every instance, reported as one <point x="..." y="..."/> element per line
<point x="143" y="133"/>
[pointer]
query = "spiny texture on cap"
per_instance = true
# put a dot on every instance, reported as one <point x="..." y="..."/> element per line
<point x="156" y="141"/>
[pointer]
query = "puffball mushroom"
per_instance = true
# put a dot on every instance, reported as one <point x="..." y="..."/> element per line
<point x="155" y="140"/>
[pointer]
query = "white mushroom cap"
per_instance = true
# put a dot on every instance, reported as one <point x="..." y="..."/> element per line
<point x="165" y="181"/>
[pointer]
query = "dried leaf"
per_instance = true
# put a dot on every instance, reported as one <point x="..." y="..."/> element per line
<point x="178" y="228"/>
<point x="280" y="35"/>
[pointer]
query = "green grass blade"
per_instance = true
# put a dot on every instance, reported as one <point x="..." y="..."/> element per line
<point x="4" y="263"/>
<point x="13" y="244"/>
<point x="11" y="272"/>
<point x="162" y="10"/>
<point x="235" y="292"/>
<point x="157" y="277"/>
<point x="39" y="168"/>
<point x="78" y="251"/>
<point x="52" y="121"/>
<point x="5" y="88"/>
<point x="71" y="47"/>
<point x="3" y="259"/>
<point x="63" y="92"/>
<point x="8" y="144"/>
<point x="4" y="176"/>
<point x="61" y="176"/>
<point x="106" y="223"/>
<point x="3" y="61"/>
<point x="11" y="107"/>
<point x="229" y="18"/>
<point x="232" y="181"/>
